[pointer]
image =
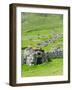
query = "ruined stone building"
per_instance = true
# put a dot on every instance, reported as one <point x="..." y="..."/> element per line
<point x="32" y="56"/>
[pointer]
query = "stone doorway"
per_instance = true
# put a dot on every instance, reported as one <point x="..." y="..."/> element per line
<point x="39" y="60"/>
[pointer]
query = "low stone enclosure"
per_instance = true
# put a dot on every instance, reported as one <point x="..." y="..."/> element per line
<point x="32" y="56"/>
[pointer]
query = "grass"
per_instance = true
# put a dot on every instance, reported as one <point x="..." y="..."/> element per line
<point x="40" y="25"/>
<point x="55" y="67"/>
<point x="35" y="25"/>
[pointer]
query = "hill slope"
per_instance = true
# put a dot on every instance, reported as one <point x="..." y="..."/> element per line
<point x="42" y="30"/>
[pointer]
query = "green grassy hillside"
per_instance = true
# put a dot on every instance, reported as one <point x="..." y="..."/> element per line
<point x="42" y="31"/>
<point x="39" y="28"/>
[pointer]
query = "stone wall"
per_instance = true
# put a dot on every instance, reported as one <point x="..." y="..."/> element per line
<point x="30" y="56"/>
<point x="55" y="54"/>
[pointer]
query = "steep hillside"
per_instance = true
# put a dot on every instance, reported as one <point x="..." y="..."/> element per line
<point x="42" y="30"/>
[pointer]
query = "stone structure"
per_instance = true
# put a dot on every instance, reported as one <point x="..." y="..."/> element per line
<point x="56" y="53"/>
<point x="32" y="56"/>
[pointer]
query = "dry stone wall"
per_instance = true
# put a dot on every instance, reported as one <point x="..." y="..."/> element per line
<point x="30" y="56"/>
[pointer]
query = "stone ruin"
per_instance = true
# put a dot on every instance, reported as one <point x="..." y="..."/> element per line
<point x="32" y="56"/>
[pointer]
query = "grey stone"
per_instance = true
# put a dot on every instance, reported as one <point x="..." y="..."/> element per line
<point x="33" y="56"/>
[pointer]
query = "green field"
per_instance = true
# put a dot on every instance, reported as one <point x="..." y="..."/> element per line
<point x="36" y="30"/>
<point x="55" y="67"/>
